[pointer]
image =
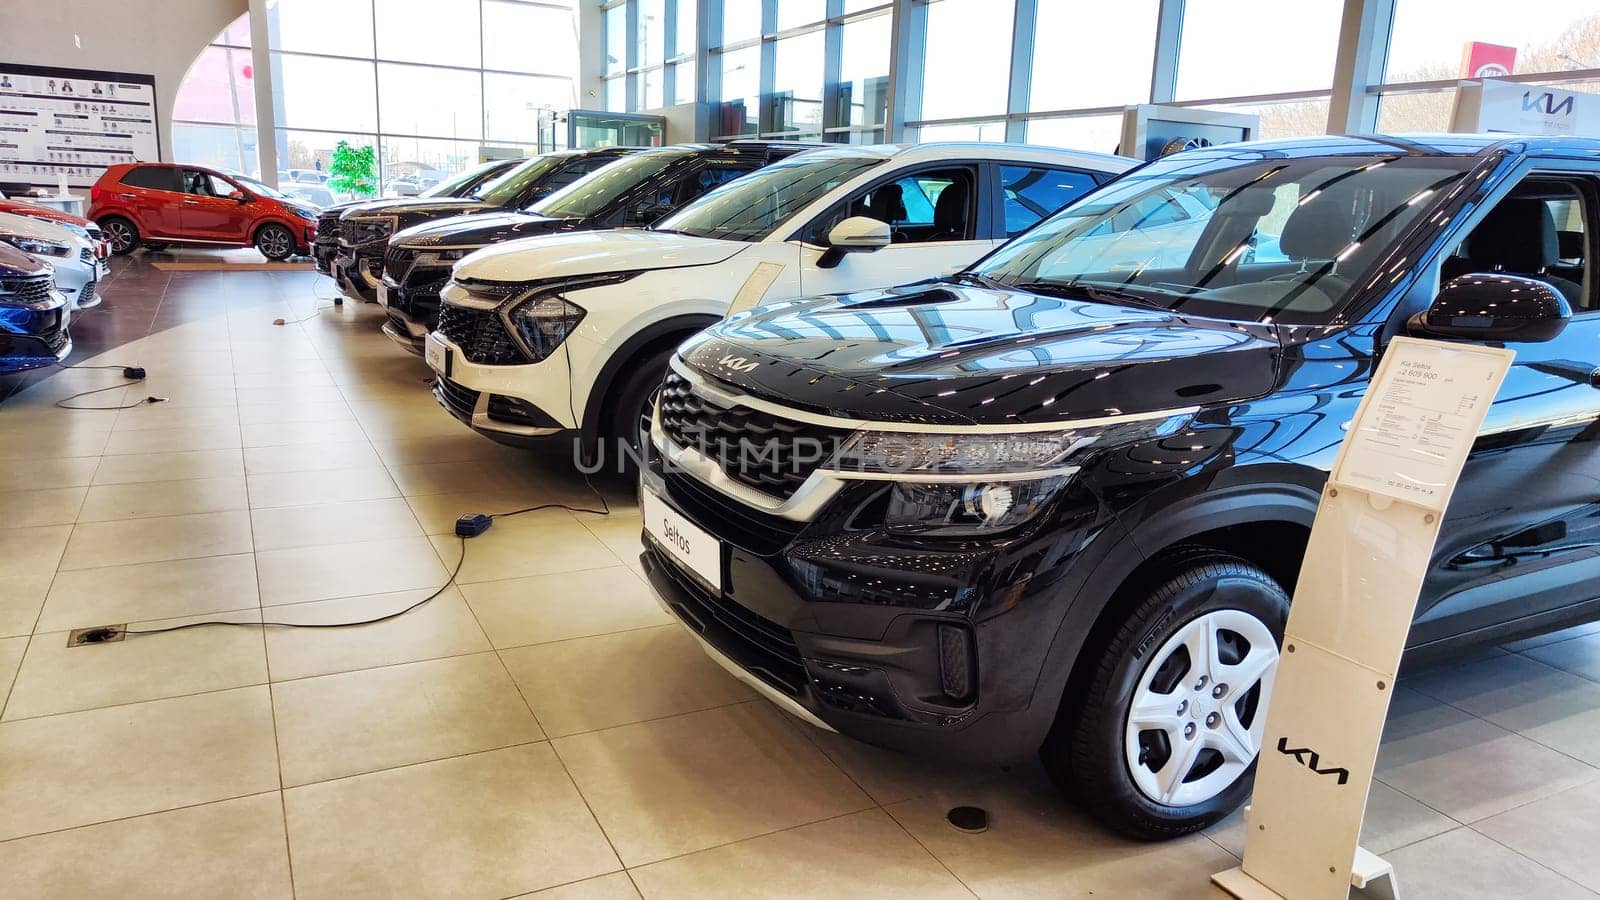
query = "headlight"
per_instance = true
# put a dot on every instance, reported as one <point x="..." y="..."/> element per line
<point x="967" y="484"/>
<point x="308" y="215"/>
<point x="37" y="247"/>
<point x="442" y="257"/>
<point x="543" y="322"/>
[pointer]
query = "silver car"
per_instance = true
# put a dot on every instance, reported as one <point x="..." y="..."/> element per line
<point x="71" y="255"/>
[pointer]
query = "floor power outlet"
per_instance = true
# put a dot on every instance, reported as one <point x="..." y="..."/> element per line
<point x="99" y="634"/>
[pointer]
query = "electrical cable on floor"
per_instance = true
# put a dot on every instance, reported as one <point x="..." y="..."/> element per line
<point x="132" y="373"/>
<point x="479" y="520"/>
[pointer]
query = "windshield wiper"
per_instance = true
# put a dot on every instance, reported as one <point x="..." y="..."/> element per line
<point x="981" y="280"/>
<point x="1094" y="292"/>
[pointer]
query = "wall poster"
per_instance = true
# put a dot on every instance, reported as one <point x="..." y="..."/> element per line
<point x="73" y="122"/>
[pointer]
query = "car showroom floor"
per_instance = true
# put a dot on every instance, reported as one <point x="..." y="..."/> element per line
<point x="542" y="725"/>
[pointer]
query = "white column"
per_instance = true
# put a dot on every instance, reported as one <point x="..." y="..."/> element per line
<point x="266" y="114"/>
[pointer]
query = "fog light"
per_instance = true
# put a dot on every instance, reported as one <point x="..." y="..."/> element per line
<point x="956" y="674"/>
<point x="989" y="502"/>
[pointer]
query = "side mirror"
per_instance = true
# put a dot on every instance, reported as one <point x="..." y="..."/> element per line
<point x="857" y="234"/>
<point x="1492" y="306"/>
<point x="240" y="196"/>
<point x="647" y="215"/>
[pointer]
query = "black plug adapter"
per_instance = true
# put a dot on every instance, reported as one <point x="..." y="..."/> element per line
<point x="470" y="525"/>
<point x="134" y="372"/>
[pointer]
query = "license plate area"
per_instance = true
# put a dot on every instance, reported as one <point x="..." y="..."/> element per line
<point x="688" y="544"/>
<point x="383" y="295"/>
<point x="436" y="354"/>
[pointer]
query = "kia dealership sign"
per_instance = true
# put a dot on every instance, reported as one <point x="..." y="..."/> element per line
<point x="1492" y="106"/>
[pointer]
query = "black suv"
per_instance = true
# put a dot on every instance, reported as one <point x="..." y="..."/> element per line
<point x="33" y="314"/>
<point x="1058" y="502"/>
<point x="466" y="184"/>
<point x="635" y="192"/>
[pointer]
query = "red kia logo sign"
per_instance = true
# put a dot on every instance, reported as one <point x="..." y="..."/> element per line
<point x="1481" y="60"/>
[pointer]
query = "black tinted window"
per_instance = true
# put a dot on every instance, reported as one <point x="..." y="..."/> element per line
<point x="160" y="178"/>
<point x="1032" y="193"/>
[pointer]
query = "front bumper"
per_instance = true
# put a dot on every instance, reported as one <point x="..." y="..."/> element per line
<point x="32" y="339"/>
<point x="357" y="274"/>
<point x="854" y="635"/>
<point x="495" y="401"/>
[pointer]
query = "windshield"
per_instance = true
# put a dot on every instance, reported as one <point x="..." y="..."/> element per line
<point x="591" y="194"/>
<point x="452" y="187"/>
<point x="260" y="187"/>
<point x="505" y="190"/>
<point x="1239" y="236"/>
<point x="752" y="207"/>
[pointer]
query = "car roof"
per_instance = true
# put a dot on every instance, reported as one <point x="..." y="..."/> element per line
<point x="1426" y="144"/>
<point x="952" y="150"/>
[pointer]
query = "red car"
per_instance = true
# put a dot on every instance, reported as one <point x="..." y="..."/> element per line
<point x="55" y="216"/>
<point x="154" y="205"/>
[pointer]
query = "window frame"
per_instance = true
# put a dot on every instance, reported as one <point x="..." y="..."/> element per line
<point x="982" y="210"/>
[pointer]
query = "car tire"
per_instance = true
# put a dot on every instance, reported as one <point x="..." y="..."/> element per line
<point x="120" y="233"/>
<point x="1161" y="745"/>
<point x="275" y="242"/>
<point x="155" y="248"/>
<point x="630" y="415"/>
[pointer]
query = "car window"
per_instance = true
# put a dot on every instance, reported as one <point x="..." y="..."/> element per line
<point x="713" y="173"/>
<point x="750" y="208"/>
<point x="931" y="205"/>
<point x="158" y="178"/>
<point x="1540" y="231"/>
<point x="1029" y="193"/>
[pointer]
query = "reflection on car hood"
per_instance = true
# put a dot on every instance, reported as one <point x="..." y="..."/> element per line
<point x="16" y="264"/>
<point x="943" y="353"/>
<point x="477" y="231"/>
<point x="589" y="252"/>
<point x="412" y="210"/>
<point x="37" y="229"/>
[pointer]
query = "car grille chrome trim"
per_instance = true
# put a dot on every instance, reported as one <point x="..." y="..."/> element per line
<point x="481" y="335"/>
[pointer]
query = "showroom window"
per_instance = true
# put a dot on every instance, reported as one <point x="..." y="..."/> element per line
<point x="426" y="84"/>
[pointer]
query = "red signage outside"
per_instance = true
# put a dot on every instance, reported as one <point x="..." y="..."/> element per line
<point x="1481" y="60"/>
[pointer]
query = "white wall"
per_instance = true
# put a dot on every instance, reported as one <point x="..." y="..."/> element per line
<point x="154" y="37"/>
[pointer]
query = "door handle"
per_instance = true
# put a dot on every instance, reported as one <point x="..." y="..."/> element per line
<point x="125" y="196"/>
<point x="191" y="203"/>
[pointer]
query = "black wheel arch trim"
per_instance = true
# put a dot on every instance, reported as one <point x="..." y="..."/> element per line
<point x="654" y="333"/>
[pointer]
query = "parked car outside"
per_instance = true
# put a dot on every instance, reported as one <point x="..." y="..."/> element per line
<point x="364" y="230"/>
<point x="574" y="330"/>
<point x="1055" y="504"/>
<point x="634" y="192"/>
<point x="75" y="269"/>
<point x="156" y="205"/>
<point x="34" y="316"/>
<point x="465" y="184"/>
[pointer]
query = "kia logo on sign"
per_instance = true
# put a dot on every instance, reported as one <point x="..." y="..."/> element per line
<point x="1546" y="103"/>
<point x="1308" y="757"/>
<point x="737" y="364"/>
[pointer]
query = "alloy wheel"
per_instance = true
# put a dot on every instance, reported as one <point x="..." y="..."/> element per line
<point x="274" y="243"/>
<point x="119" y="234"/>
<point x="1197" y="717"/>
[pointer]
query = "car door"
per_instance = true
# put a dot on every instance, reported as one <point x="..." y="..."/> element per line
<point x="1521" y="538"/>
<point x="1028" y="193"/>
<point x="212" y="209"/>
<point x="154" y="195"/>
<point x="928" y="238"/>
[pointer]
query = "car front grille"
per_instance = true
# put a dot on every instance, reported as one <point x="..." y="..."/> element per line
<point x="86" y="256"/>
<point x="759" y="645"/>
<point x="742" y="526"/>
<point x="364" y="231"/>
<point x="29" y="289"/>
<point x="459" y="399"/>
<point x="397" y="263"/>
<point x="86" y="294"/>
<point x="481" y="335"/>
<point x="759" y="450"/>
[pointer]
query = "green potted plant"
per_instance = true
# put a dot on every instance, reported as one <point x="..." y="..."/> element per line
<point x="354" y="170"/>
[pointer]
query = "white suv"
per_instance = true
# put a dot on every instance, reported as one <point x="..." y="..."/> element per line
<point x="573" y="331"/>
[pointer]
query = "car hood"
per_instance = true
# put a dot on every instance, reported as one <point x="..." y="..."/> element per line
<point x="589" y="252"/>
<point x="29" y="227"/>
<point x="34" y="211"/>
<point x="14" y="263"/>
<point x="954" y="354"/>
<point x="478" y="230"/>
<point x="412" y="210"/>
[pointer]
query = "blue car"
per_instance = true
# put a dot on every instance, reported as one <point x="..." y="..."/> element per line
<point x="33" y="314"/>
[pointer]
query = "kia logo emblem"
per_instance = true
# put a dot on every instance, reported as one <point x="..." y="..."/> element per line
<point x="737" y="364"/>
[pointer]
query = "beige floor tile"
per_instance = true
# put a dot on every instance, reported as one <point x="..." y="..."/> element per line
<point x="303" y="574"/>
<point x="171" y="415"/>
<point x="233" y="848"/>
<point x="487" y="825"/>
<point x="55" y="678"/>
<point x="1555" y="708"/>
<point x="1580" y="655"/>
<point x="279" y="434"/>
<point x="616" y="886"/>
<point x="150" y="540"/>
<point x="173" y="466"/>
<point x="24" y="443"/>
<point x="38" y="474"/>
<point x="310" y="457"/>
<point x="542" y="549"/>
<point x="1552" y="637"/>
<point x="280" y="413"/>
<point x="32" y="552"/>
<point x="166" y="440"/>
<point x="330" y="523"/>
<point x="11" y="650"/>
<point x="1392" y="820"/>
<point x="290" y="393"/>
<point x="835" y="858"/>
<point x="104" y="764"/>
<point x="157" y="590"/>
<point x="488" y="475"/>
<point x="320" y="486"/>
<point x="620" y="533"/>
<point x="438" y="512"/>
<point x="889" y="776"/>
<point x="463" y="445"/>
<point x="673" y="786"/>
<point x="111" y="502"/>
<point x="21" y="598"/>
<point x="617" y="679"/>
<point x="50" y="506"/>
<point x="565" y="605"/>
<point x="1561" y="832"/>
<point x="442" y="627"/>
<point x="1037" y="845"/>
<point x="338" y="725"/>
<point x="1465" y="865"/>
<point x="1465" y="767"/>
